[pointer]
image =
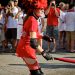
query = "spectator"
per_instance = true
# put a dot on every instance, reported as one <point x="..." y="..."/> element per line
<point x="2" y="36"/>
<point x="70" y="29"/>
<point x="67" y="6"/>
<point x="19" y="17"/>
<point x="20" y="25"/>
<point x="16" y="5"/>
<point x="62" y="25"/>
<point x="11" y="24"/>
<point x="52" y="13"/>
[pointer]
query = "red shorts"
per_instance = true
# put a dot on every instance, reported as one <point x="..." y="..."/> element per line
<point x="28" y="54"/>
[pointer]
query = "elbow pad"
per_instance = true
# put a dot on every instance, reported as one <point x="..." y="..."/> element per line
<point x="47" y="38"/>
<point x="33" y="43"/>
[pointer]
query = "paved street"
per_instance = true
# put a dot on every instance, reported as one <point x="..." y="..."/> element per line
<point x="12" y="65"/>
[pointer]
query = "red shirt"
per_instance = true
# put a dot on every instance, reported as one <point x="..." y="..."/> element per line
<point x="52" y="19"/>
<point x="31" y="25"/>
<point x="24" y="49"/>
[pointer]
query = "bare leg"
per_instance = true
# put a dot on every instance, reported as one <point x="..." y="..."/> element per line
<point x="54" y="49"/>
<point x="61" y="39"/>
<point x="3" y="43"/>
<point x="33" y="66"/>
<point x="68" y="38"/>
<point x="72" y="41"/>
<point x="14" y="43"/>
<point x="72" y="45"/>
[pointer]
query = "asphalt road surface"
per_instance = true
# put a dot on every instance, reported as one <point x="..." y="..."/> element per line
<point x="12" y="65"/>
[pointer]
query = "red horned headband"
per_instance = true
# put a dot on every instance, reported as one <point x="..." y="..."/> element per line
<point x="35" y="3"/>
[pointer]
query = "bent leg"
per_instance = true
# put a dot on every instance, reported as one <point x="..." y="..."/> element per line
<point x="33" y="66"/>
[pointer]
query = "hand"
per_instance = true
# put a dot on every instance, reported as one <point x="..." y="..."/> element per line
<point x="47" y="56"/>
<point x="53" y="4"/>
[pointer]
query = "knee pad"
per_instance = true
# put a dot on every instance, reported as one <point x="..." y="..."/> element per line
<point x="36" y="72"/>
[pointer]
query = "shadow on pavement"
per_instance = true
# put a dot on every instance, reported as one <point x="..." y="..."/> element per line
<point x="50" y="66"/>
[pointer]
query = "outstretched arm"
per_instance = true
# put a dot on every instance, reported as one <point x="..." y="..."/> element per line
<point x="34" y="44"/>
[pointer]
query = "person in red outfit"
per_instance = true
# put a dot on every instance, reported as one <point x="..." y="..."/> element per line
<point x="28" y="45"/>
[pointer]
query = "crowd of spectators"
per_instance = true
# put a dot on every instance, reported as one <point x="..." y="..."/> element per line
<point x="60" y="25"/>
<point x="11" y="24"/>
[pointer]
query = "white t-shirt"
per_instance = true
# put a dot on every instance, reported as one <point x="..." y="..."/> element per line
<point x="70" y="21"/>
<point x="12" y="22"/>
<point x="62" y="24"/>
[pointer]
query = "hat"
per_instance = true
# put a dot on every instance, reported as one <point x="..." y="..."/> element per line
<point x="35" y="3"/>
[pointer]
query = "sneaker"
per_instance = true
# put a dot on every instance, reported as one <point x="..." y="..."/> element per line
<point x="3" y="49"/>
<point x="72" y="51"/>
<point x="54" y="50"/>
<point x="48" y="50"/>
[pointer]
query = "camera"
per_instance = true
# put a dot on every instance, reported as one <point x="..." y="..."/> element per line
<point x="53" y="4"/>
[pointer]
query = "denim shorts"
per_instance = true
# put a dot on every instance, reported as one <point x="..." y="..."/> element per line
<point x="52" y="31"/>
